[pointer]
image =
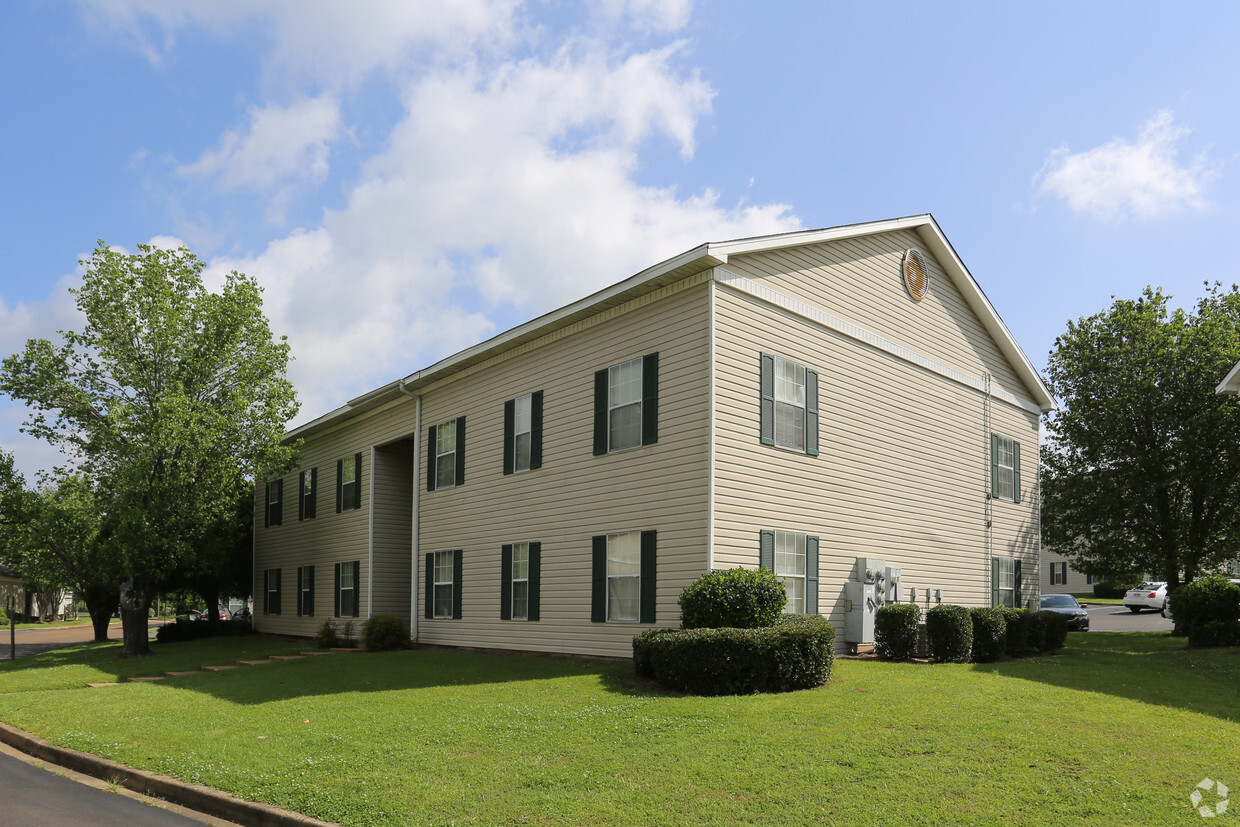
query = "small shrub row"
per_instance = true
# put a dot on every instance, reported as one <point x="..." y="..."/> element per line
<point x="949" y="632"/>
<point x="896" y="631"/>
<point x="797" y="652"/>
<point x="328" y="636"/>
<point x="989" y="634"/>
<point x="188" y="629"/>
<point x="732" y="598"/>
<point x="1109" y="591"/>
<point x="1208" y="611"/>
<point x="385" y="631"/>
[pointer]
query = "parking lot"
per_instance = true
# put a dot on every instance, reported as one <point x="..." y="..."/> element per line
<point x="1113" y="618"/>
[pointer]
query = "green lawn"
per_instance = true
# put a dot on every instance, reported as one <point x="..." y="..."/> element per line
<point x="1119" y="728"/>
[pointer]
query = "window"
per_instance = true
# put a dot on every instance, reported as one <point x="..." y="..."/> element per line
<point x="519" y="581"/>
<point x="1005" y="582"/>
<point x="1091" y="579"/>
<point x="523" y="433"/>
<point x="305" y="591"/>
<point x="624" y="577"/>
<point x="1059" y="574"/>
<point x="793" y="557"/>
<point x="349" y="483"/>
<point x="626" y="405"/>
<point x="348" y="576"/>
<point x="274" y="512"/>
<point x="445" y="455"/>
<point x="1004" y="468"/>
<point x="307" y="483"/>
<point x="788" y="405"/>
<point x="271" y="591"/>
<point x="443" y="584"/>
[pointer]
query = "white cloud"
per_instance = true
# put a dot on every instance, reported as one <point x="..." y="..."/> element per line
<point x="1145" y="178"/>
<point x="280" y="143"/>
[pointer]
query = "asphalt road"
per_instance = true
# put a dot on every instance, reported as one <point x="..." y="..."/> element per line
<point x="1111" y="618"/>
<point x="35" y="796"/>
<point x="55" y="636"/>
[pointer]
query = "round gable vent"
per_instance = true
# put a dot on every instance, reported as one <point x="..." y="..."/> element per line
<point x="916" y="274"/>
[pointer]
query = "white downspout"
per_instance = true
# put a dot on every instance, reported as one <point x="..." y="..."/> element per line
<point x="417" y="491"/>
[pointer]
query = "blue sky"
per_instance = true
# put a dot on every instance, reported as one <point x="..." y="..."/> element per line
<point x="407" y="178"/>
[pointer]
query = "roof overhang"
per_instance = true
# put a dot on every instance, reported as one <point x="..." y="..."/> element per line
<point x="688" y="263"/>
<point x="1232" y="383"/>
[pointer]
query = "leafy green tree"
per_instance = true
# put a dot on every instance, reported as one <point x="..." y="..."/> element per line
<point x="1142" y="466"/>
<point x="222" y="565"/>
<point x="170" y="398"/>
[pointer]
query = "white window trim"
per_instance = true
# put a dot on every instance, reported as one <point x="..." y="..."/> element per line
<point x="1008" y="563"/>
<point x="1006" y="487"/>
<point x="528" y="399"/>
<point x="613" y="406"/>
<point x="515" y="580"/>
<point x="450" y="583"/>
<point x="440" y="462"/>
<point x="304" y="590"/>
<point x="636" y="576"/>
<point x="347" y="569"/>
<point x="801" y="369"/>
<point x="800" y="540"/>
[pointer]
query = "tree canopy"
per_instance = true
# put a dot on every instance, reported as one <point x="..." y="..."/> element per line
<point x="169" y="399"/>
<point x="1141" y="470"/>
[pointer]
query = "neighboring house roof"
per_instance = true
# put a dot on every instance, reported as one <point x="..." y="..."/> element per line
<point x="693" y="261"/>
<point x="1232" y="383"/>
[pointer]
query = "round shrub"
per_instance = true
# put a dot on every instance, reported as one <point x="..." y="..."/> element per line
<point x="1208" y="611"/>
<point x="895" y="631"/>
<point x="1053" y="631"/>
<point x="949" y="630"/>
<point x="795" y="653"/>
<point x="732" y="598"/>
<point x="1019" y="631"/>
<point x="1108" y="590"/>
<point x="989" y="634"/>
<point x="385" y="631"/>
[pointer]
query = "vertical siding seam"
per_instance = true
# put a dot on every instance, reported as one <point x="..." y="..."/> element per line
<point x="417" y="517"/>
<point x="370" y="541"/>
<point x="853" y="331"/>
<point x="711" y="435"/>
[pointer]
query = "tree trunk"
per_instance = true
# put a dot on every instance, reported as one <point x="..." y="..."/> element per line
<point x="100" y="602"/>
<point x="135" y="603"/>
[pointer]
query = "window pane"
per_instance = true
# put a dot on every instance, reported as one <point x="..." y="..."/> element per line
<point x="789" y="426"/>
<point x="623" y="595"/>
<point x="789" y="382"/>
<point x="445" y="470"/>
<point x="521" y="453"/>
<point x="624" y="554"/>
<point x="346" y="602"/>
<point x="520" y="561"/>
<point x="445" y="437"/>
<point x="520" y="599"/>
<point x="348" y="471"/>
<point x="626" y="427"/>
<point x="443" y="600"/>
<point x="346" y="575"/>
<point x="624" y="383"/>
<point x="794" y="587"/>
<point x="443" y="567"/>
<point x="521" y="419"/>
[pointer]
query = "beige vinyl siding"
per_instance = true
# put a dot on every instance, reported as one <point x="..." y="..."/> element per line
<point x="860" y="280"/>
<point x="393" y="528"/>
<point x="903" y="472"/>
<point x="574" y="495"/>
<point x="329" y="538"/>
<point x="1078" y="582"/>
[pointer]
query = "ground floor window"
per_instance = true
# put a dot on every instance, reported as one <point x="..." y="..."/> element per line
<point x="624" y="577"/>
<point x="443" y="584"/>
<point x="1005" y="582"/>
<point x="271" y="591"/>
<point x="347" y="588"/>
<point x="1059" y="574"/>
<point x="305" y="591"/>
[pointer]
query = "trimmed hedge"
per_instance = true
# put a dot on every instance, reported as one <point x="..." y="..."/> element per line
<point x="385" y="631"/>
<point x="732" y="598"/>
<point x="797" y="652"/>
<point x="197" y="629"/>
<point x="1019" y="631"/>
<point x="1208" y="611"/>
<point x="989" y="634"/>
<point x="1054" y="630"/>
<point x="949" y="631"/>
<point x="895" y="631"/>
<point x="1109" y="591"/>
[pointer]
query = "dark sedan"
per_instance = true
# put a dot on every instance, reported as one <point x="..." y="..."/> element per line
<point x="1065" y="604"/>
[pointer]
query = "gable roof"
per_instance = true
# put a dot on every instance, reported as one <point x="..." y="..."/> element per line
<point x="703" y="257"/>
<point x="1230" y="384"/>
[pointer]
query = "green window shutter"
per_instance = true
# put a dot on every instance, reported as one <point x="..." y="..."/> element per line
<point x="1016" y="582"/>
<point x="994" y="581"/>
<point x="648" y="591"/>
<point x="994" y="465"/>
<point x="600" y="412"/>
<point x="536" y="416"/>
<point x="505" y="582"/>
<point x="301" y="501"/>
<point x="279" y="516"/>
<point x="312" y="505"/>
<point x="428" y="588"/>
<point x="336" y="591"/>
<point x="357" y="480"/>
<point x="267" y="506"/>
<point x="766" y="400"/>
<point x="460" y="450"/>
<point x="357" y="588"/>
<point x="310" y="591"/>
<point x="510" y="420"/>
<point x="1015" y="472"/>
<point x="340" y="486"/>
<point x="650" y="399"/>
<point x="431" y="449"/>
<point x="299" y="590"/>
<point x="766" y="550"/>
<point x="811" y="413"/>
<point x="535" y="585"/>
<point x="457" y="565"/>
<point x="598" y="579"/>
<point x="811" y="575"/>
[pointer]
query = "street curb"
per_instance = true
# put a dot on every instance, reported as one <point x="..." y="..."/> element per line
<point x="194" y="796"/>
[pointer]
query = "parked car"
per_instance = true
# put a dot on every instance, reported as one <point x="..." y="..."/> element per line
<point x="1146" y="596"/>
<point x="1065" y="604"/>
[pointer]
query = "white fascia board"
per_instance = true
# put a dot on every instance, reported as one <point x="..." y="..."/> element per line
<point x="932" y="236"/>
<point x="1231" y="384"/>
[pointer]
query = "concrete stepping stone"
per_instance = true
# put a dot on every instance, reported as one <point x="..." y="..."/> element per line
<point x="219" y="668"/>
<point x="145" y="678"/>
<point x="252" y="662"/>
<point x="97" y="685"/>
<point x="345" y="650"/>
<point x="288" y="657"/>
<point x="316" y="652"/>
<point x="182" y="674"/>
